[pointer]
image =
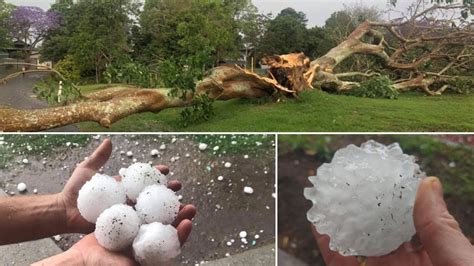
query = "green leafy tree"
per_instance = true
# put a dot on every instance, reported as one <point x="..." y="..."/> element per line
<point x="94" y="33"/>
<point x="318" y="42"/>
<point x="5" y="11"/>
<point x="57" y="43"/>
<point x="285" y="34"/>
<point x="101" y="36"/>
<point x="252" y="27"/>
<point x="184" y="27"/>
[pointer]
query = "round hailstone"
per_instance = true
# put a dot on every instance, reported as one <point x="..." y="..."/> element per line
<point x="99" y="194"/>
<point x="117" y="227"/>
<point x="202" y="146"/>
<point x="364" y="199"/>
<point x="138" y="176"/>
<point x="157" y="203"/>
<point x="21" y="187"/>
<point x="154" y="152"/>
<point x="248" y="190"/>
<point x="156" y="243"/>
<point x="228" y="165"/>
<point x="129" y="154"/>
<point x="163" y="147"/>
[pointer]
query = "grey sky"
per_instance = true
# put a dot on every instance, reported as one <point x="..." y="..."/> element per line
<point x="317" y="11"/>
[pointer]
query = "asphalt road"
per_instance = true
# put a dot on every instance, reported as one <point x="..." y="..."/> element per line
<point x="18" y="93"/>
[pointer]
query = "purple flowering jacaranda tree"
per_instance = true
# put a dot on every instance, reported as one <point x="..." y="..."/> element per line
<point x="30" y="25"/>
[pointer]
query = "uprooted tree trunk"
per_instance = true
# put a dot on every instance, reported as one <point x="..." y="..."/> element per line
<point x="288" y="75"/>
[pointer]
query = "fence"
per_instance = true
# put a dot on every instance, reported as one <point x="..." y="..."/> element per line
<point x="8" y="69"/>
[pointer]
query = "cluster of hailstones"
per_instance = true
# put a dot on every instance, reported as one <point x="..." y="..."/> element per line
<point x="146" y="226"/>
<point x="363" y="200"/>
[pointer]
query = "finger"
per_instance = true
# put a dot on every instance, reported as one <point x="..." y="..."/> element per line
<point x="174" y="185"/>
<point x="438" y="230"/>
<point x="100" y="156"/>
<point x="184" y="229"/>
<point x="329" y="256"/>
<point x="163" y="169"/>
<point x="186" y="213"/>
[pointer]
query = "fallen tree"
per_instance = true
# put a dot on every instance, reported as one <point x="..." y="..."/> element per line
<point x="402" y="47"/>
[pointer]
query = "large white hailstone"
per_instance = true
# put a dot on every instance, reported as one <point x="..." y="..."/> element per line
<point x="138" y="176"/>
<point x="157" y="203"/>
<point x="364" y="199"/>
<point x="156" y="243"/>
<point x="202" y="146"/>
<point x="154" y="152"/>
<point x="99" y="194"/>
<point x="117" y="227"/>
<point x="21" y="187"/>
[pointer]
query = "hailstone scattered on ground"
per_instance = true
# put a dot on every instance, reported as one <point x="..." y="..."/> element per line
<point x="154" y="152"/>
<point x="138" y="176"/>
<point x="364" y="199"/>
<point x="99" y="194"/>
<point x="157" y="203"/>
<point x="117" y="227"/>
<point x="202" y="146"/>
<point x="156" y="243"/>
<point x="21" y="187"/>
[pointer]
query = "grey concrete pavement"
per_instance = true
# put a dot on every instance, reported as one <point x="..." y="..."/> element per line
<point x="28" y="252"/>
<point x="263" y="256"/>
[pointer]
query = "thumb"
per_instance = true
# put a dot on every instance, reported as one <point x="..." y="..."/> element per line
<point x="100" y="156"/>
<point x="439" y="232"/>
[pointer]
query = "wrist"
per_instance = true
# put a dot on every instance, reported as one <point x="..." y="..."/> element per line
<point x="63" y="223"/>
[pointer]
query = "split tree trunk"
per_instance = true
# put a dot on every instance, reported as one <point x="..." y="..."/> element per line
<point x="110" y="105"/>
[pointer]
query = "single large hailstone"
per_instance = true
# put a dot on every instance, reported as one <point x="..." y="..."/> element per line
<point x="364" y="199"/>
<point x="99" y="194"/>
<point x="138" y="176"/>
<point x="157" y="203"/>
<point x="117" y="227"/>
<point x="156" y="243"/>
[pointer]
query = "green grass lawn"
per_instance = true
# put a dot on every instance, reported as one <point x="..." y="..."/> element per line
<point x="19" y="145"/>
<point x="317" y="111"/>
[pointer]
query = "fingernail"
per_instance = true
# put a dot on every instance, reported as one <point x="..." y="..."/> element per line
<point x="436" y="186"/>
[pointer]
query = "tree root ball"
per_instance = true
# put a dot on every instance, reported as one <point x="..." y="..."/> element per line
<point x="156" y="243"/>
<point x="117" y="227"/>
<point x="99" y="194"/>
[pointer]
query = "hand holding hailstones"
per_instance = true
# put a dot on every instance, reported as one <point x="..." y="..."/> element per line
<point x="102" y="200"/>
